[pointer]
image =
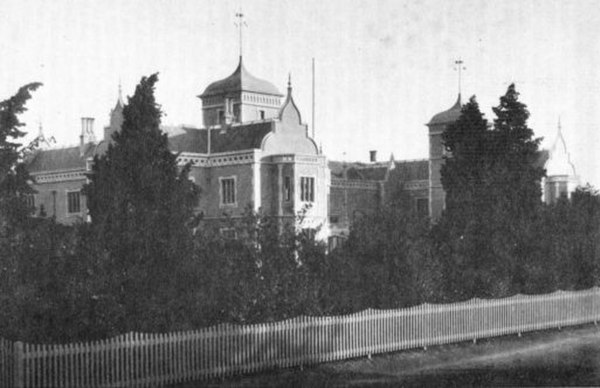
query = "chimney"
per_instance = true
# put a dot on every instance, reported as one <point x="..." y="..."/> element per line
<point x="87" y="133"/>
<point x="373" y="156"/>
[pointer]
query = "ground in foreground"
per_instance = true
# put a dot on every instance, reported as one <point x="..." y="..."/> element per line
<point x="568" y="357"/>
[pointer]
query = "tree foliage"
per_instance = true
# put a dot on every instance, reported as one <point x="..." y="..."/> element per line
<point x="14" y="179"/>
<point x="138" y="266"/>
<point x="493" y="183"/>
<point x="140" y="204"/>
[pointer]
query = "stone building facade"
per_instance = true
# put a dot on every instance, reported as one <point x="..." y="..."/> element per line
<point x="254" y="152"/>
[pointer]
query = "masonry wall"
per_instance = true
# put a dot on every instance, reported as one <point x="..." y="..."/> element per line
<point x="437" y="196"/>
<point x="56" y="204"/>
<point x="210" y="185"/>
<point x="347" y="203"/>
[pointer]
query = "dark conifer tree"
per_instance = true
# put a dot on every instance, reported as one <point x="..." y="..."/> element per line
<point x="517" y="170"/>
<point x="14" y="178"/>
<point x="140" y="203"/>
<point x="465" y="173"/>
<point x="493" y="183"/>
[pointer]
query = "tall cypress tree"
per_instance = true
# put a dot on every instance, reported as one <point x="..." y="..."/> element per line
<point x="493" y="185"/>
<point x="465" y="171"/>
<point x="464" y="227"/>
<point x="140" y="202"/>
<point x="516" y="152"/>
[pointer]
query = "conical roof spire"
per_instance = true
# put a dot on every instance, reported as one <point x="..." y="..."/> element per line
<point x="560" y="162"/>
<point x="289" y="104"/>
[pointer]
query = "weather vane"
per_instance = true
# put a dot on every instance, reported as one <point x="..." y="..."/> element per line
<point x="240" y="24"/>
<point x="459" y="67"/>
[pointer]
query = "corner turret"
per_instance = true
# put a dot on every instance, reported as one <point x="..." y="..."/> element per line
<point x="437" y="125"/>
<point x="116" y="118"/>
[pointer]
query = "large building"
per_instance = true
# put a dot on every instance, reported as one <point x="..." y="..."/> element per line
<point x="254" y="152"/>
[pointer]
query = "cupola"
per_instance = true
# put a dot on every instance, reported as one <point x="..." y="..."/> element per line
<point x="239" y="98"/>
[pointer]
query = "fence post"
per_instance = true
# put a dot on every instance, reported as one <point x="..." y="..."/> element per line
<point x="18" y="371"/>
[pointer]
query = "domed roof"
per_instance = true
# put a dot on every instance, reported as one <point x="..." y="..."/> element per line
<point x="447" y="116"/>
<point x="559" y="162"/>
<point x="241" y="80"/>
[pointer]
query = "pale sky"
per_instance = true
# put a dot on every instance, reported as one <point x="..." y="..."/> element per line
<point x="383" y="68"/>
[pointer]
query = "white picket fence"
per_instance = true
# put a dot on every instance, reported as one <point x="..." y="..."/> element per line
<point x="142" y="360"/>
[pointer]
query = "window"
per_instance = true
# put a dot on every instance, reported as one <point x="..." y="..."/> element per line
<point x="30" y="201"/>
<point x="228" y="191"/>
<point x="221" y="116"/>
<point x="228" y="233"/>
<point x="335" y="242"/>
<point x="422" y="207"/>
<point x="307" y="189"/>
<point x="73" y="202"/>
<point x="261" y="114"/>
<point x="563" y="191"/>
<point x="287" y="188"/>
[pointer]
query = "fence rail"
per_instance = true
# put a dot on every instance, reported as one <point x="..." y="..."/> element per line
<point x="142" y="360"/>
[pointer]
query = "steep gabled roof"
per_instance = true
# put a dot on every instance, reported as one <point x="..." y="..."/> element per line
<point x="190" y="140"/>
<point x="68" y="158"/>
<point x="407" y="170"/>
<point x="411" y="170"/>
<point x="193" y="140"/>
<point x="223" y="139"/>
<point x="239" y="137"/>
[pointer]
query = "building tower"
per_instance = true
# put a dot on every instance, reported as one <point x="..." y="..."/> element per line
<point x="115" y="118"/>
<point x="437" y="125"/>
<point x="239" y="98"/>
<point x="561" y="178"/>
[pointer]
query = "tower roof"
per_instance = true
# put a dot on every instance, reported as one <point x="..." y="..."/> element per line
<point x="447" y="116"/>
<point x="289" y="107"/>
<point x="241" y="80"/>
<point x="559" y="161"/>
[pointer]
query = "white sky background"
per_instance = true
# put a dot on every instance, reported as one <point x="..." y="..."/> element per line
<point x="383" y="68"/>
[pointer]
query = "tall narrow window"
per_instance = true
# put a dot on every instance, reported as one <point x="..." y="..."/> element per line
<point x="563" y="191"/>
<point x="221" y="116"/>
<point x="73" y="202"/>
<point x="228" y="233"/>
<point x="30" y="201"/>
<point x="262" y="114"/>
<point x="287" y="188"/>
<point x="307" y="189"/>
<point x="422" y="207"/>
<point x="228" y="191"/>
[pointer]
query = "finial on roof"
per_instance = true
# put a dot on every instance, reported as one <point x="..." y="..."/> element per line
<point x="559" y="126"/>
<point x="289" y="82"/>
<point x="120" y="95"/>
<point x="459" y="67"/>
<point x="392" y="162"/>
<point x="458" y="103"/>
<point x="240" y="24"/>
